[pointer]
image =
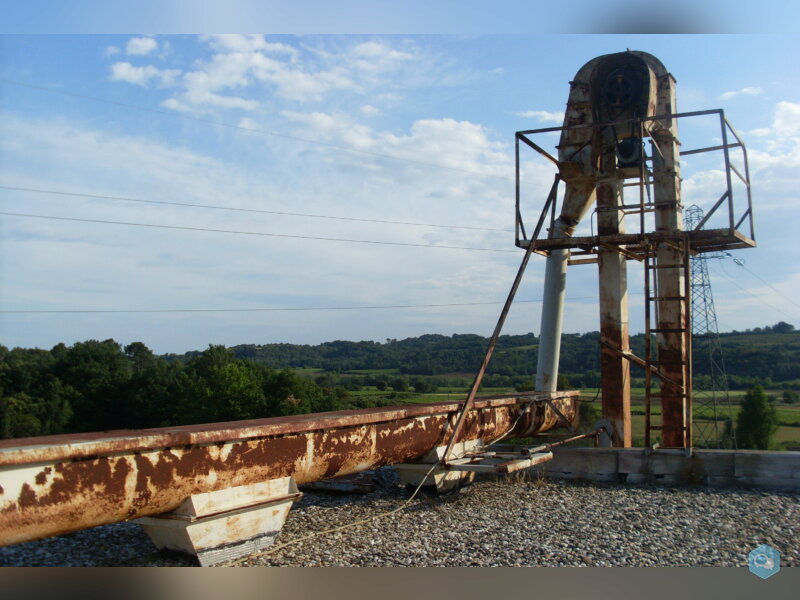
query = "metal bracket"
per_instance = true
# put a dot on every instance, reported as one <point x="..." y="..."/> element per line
<point x="561" y="418"/>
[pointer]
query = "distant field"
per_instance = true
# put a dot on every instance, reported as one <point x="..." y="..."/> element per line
<point x="308" y="371"/>
<point x="788" y="415"/>
<point x="372" y="372"/>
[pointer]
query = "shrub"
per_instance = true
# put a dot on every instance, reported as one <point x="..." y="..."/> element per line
<point x="757" y="421"/>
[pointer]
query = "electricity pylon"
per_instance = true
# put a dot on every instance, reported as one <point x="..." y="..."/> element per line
<point x="713" y="422"/>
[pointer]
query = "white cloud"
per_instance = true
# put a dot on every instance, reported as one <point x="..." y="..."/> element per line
<point x="543" y="116"/>
<point x="380" y="52"/>
<point x="248" y="123"/>
<point x="249" y="72"/>
<point x="337" y="128"/>
<point x="125" y="71"/>
<point x="209" y="99"/>
<point x="139" y="46"/>
<point x="370" y="110"/>
<point x="111" y="50"/>
<point x="787" y="119"/>
<point x="461" y="145"/>
<point x="774" y="160"/>
<point x="375" y="57"/>
<point x="747" y="91"/>
<point x="761" y="131"/>
<point x="240" y="63"/>
<point x="389" y="97"/>
<point x="238" y="70"/>
<point x="248" y="43"/>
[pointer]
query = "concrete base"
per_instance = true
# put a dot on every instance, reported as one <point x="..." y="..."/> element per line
<point x="441" y="479"/>
<point x="227" y="524"/>
<point x="747" y="468"/>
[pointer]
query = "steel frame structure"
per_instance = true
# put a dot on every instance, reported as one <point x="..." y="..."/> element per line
<point x="705" y="341"/>
<point x="702" y="240"/>
<point x="644" y="246"/>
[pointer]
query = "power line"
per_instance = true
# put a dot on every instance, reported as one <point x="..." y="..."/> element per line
<point x="215" y="310"/>
<point x="257" y="233"/>
<point x="248" y="129"/>
<point x="740" y="263"/>
<point x="247" y="210"/>
<point x="746" y="291"/>
<point x="284" y="309"/>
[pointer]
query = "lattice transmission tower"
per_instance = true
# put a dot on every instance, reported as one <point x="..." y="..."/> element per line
<point x="713" y="421"/>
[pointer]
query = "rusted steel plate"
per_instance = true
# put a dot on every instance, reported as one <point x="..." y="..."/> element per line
<point x="57" y="484"/>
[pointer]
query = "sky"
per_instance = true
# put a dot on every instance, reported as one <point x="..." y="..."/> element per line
<point x="402" y="142"/>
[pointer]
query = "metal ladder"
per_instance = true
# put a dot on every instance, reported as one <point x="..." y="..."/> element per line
<point x="652" y="367"/>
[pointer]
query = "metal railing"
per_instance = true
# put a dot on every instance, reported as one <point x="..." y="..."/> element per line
<point x="646" y="126"/>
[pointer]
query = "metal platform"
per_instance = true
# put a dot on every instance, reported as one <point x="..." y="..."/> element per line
<point x="705" y="240"/>
<point x="499" y="462"/>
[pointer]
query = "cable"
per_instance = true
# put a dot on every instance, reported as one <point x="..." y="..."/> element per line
<point x="746" y="291"/>
<point x="203" y="310"/>
<point x="249" y="210"/>
<point x="258" y="233"/>
<point x="310" y="308"/>
<point x="740" y="262"/>
<point x="313" y="534"/>
<point x="248" y="129"/>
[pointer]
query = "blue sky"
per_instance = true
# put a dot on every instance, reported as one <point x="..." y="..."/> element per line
<point x="404" y="128"/>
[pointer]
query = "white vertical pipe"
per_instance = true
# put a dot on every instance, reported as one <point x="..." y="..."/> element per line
<point x="555" y="286"/>
<point x="579" y="195"/>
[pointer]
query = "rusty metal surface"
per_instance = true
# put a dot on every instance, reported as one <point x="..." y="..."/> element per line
<point x="706" y="240"/>
<point x="76" y="445"/>
<point x="673" y="327"/>
<point x="615" y="383"/>
<point x="58" y="484"/>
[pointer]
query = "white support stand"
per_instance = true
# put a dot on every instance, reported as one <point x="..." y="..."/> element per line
<point x="444" y="479"/>
<point x="219" y="526"/>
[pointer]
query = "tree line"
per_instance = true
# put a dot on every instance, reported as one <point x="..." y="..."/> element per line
<point x="766" y="356"/>
<point x="98" y="386"/>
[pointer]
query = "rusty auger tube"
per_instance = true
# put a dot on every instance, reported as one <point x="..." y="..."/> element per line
<point x="57" y="484"/>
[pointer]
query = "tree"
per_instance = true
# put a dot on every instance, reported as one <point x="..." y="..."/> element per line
<point x="160" y="396"/>
<point x="782" y="327"/>
<point x="526" y="385"/>
<point x="423" y="386"/>
<point x="141" y="356"/>
<point x="400" y="384"/>
<point x="757" y="421"/>
<point x="790" y="396"/>
<point x="99" y="373"/>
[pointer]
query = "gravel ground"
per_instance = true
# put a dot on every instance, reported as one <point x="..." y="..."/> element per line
<point x="508" y="522"/>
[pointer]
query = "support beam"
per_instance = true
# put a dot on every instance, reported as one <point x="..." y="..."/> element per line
<point x="57" y="484"/>
<point x="215" y="527"/>
<point x="439" y="478"/>
<point x="613" y="282"/>
<point x="578" y="197"/>
<point x="673" y="358"/>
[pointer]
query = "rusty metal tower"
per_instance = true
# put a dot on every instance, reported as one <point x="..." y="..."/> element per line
<point x="616" y="103"/>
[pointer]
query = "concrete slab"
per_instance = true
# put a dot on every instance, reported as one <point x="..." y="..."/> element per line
<point x="749" y="468"/>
